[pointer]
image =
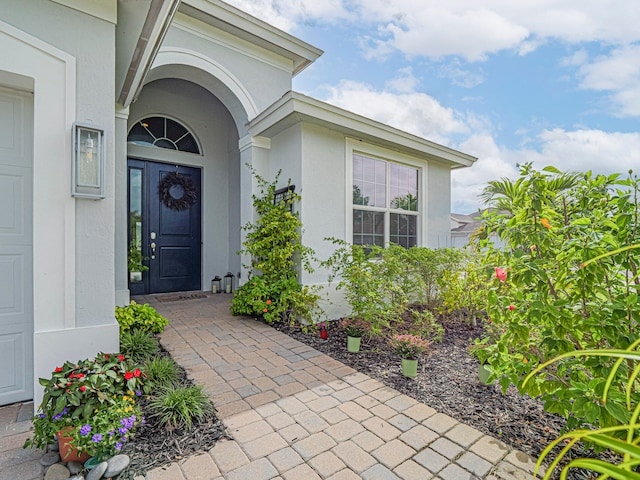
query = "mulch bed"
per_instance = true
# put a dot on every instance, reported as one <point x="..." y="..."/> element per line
<point x="447" y="381"/>
<point x="155" y="446"/>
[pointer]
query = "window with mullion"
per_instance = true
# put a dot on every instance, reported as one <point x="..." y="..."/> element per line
<point x="385" y="202"/>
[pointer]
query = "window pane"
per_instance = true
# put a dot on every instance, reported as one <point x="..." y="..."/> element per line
<point x="368" y="228"/>
<point x="357" y="167"/>
<point x="404" y="187"/>
<point x="403" y="229"/>
<point x="369" y="175"/>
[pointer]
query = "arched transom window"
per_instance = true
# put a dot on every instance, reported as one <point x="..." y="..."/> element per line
<point x="163" y="132"/>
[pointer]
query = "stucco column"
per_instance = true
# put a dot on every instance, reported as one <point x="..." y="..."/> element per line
<point x="120" y="235"/>
<point x="254" y="151"/>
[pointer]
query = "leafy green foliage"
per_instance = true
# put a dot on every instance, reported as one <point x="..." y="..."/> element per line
<point x="464" y="290"/>
<point x="181" y="406"/>
<point x="381" y="284"/>
<point x="140" y="317"/>
<point x="567" y="280"/>
<point x="273" y="245"/>
<point x="162" y="372"/>
<point x="622" y="438"/>
<point x="139" y="345"/>
<point x="75" y="390"/>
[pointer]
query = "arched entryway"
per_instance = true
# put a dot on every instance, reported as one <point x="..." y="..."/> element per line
<point x="183" y="173"/>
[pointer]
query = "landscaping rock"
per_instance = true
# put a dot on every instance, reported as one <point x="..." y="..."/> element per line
<point x="76" y="477"/>
<point x="57" y="471"/>
<point x="98" y="471"/>
<point x="116" y="465"/>
<point x="74" y="467"/>
<point x="49" y="459"/>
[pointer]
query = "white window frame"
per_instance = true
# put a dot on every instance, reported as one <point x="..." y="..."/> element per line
<point x="380" y="153"/>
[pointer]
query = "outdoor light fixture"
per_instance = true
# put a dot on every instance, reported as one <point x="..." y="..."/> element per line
<point x="87" y="168"/>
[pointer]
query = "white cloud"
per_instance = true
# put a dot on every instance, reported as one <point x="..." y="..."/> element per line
<point x="618" y="73"/>
<point x="404" y="82"/>
<point x="436" y="29"/>
<point x="413" y="112"/>
<point x="460" y="76"/>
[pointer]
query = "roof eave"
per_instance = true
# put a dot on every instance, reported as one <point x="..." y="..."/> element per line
<point x="294" y="107"/>
<point x="238" y="23"/>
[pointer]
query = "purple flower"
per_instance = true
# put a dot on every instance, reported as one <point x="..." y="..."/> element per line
<point x="97" y="438"/>
<point x="122" y="430"/>
<point x="118" y="446"/>
<point x="41" y="415"/>
<point x="85" y="430"/>
<point x="144" y="421"/>
<point x="138" y="393"/>
<point x="112" y="433"/>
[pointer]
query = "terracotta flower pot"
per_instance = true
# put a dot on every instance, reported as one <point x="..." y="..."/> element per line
<point x="353" y="344"/>
<point x="69" y="453"/>
<point x="409" y="367"/>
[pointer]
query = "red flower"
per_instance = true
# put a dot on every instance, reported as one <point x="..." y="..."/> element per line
<point x="83" y="388"/>
<point x="501" y="274"/>
<point x="71" y="375"/>
<point x="79" y="375"/>
<point x="58" y="369"/>
<point x="265" y="310"/>
<point x="121" y="358"/>
<point x="512" y="307"/>
<point x="268" y="302"/>
<point x="68" y="384"/>
<point x="128" y="376"/>
<point x="68" y="391"/>
<point x="137" y="372"/>
<point x="106" y="357"/>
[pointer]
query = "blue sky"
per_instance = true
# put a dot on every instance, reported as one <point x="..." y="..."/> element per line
<point x="554" y="82"/>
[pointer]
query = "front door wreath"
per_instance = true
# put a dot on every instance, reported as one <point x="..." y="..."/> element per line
<point x="177" y="192"/>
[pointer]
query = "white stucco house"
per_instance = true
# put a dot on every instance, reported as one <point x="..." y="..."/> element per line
<point x="102" y="102"/>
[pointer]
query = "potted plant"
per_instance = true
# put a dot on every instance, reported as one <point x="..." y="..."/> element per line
<point x="355" y="328"/>
<point x="409" y="347"/>
<point x="76" y="392"/>
<point x="109" y="428"/>
<point x="134" y="263"/>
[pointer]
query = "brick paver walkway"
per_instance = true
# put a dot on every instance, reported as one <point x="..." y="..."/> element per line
<point x="297" y="414"/>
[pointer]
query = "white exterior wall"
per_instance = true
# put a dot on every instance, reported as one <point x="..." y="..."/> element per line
<point x="73" y="239"/>
<point x="213" y="127"/>
<point x="438" y="206"/>
<point x="264" y="76"/>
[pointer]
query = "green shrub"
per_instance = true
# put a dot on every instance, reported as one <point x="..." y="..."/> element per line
<point x="162" y="372"/>
<point x="464" y="289"/>
<point x="138" y="345"/>
<point x="273" y="245"/>
<point x="426" y="325"/>
<point x="564" y="279"/>
<point x="181" y="406"/>
<point x="140" y="317"/>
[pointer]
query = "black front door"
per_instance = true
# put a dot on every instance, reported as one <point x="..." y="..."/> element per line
<point x="164" y="225"/>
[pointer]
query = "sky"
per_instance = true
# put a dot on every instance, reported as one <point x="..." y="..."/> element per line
<point x="553" y="82"/>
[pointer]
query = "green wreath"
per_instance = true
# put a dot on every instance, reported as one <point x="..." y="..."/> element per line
<point x="177" y="192"/>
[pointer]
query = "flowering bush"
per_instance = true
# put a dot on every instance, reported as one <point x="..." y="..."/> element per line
<point x="109" y="428"/>
<point x="409" y="346"/>
<point x="76" y="391"/>
<point x="354" y="327"/>
<point x="563" y="277"/>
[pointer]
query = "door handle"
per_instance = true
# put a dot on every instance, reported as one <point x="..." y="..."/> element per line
<point x="153" y="250"/>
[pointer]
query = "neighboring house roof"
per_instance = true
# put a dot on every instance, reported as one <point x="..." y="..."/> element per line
<point x="463" y="224"/>
<point x="295" y="107"/>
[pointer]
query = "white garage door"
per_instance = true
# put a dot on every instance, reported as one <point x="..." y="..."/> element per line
<point x="16" y="246"/>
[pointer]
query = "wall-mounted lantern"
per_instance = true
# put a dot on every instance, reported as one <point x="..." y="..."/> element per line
<point x="87" y="168"/>
<point x="216" y="285"/>
<point x="228" y="282"/>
